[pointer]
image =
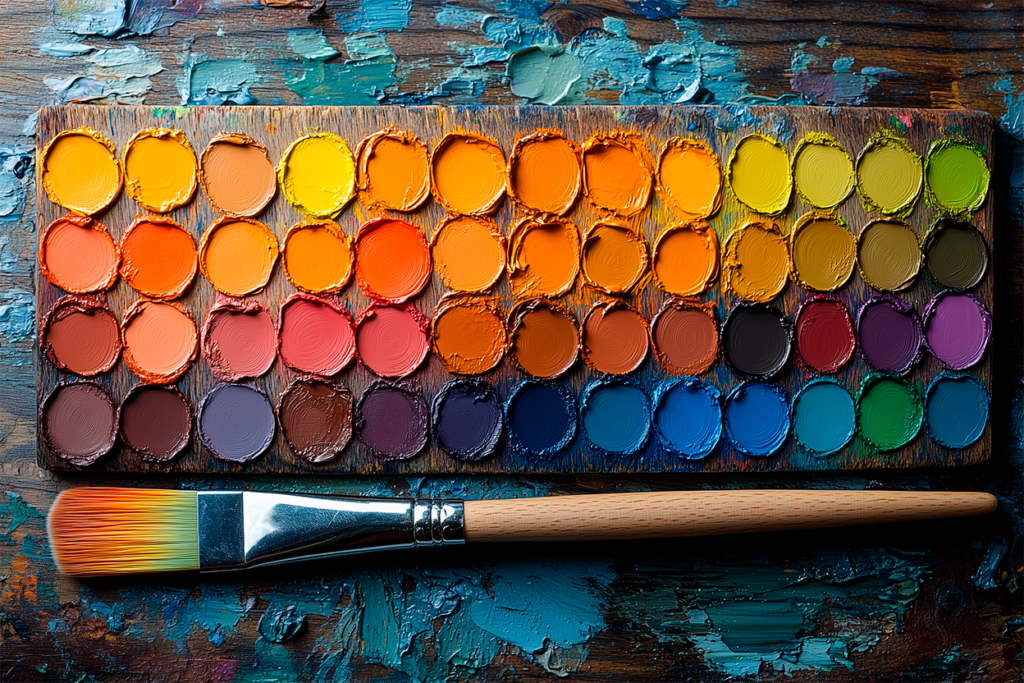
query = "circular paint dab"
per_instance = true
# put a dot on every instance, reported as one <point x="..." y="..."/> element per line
<point x="159" y="339"/>
<point x="616" y="178"/>
<point x="822" y="171"/>
<point x="756" y="418"/>
<point x="824" y="252"/>
<point x="392" y="260"/>
<point x="469" y="253"/>
<point x="317" y="174"/>
<point x="545" y="171"/>
<point x="756" y="340"/>
<point x="685" y="338"/>
<point x="316" y="419"/>
<point x="889" y="174"/>
<point x="890" y="335"/>
<point x="956" y="255"/>
<point x="393" y="420"/>
<point x="392" y="340"/>
<point x="957" y="175"/>
<point x="236" y="422"/>
<point x="316" y="335"/>
<point x="686" y="259"/>
<point x="544" y="257"/>
<point x="888" y="411"/>
<point x="77" y="254"/>
<point x="468" y="334"/>
<point x="237" y="175"/>
<point x="957" y="328"/>
<point x="160" y="169"/>
<point x="467" y="419"/>
<point x="824" y="335"/>
<point x="824" y="417"/>
<point x="394" y="172"/>
<point x="545" y="339"/>
<point x="158" y="257"/>
<point x="237" y="256"/>
<point x="81" y="171"/>
<point x="888" y="255"/>
<point x="614" y="258"/>
<point x="688" y="417"/>
<point x="755" y="262"/>
<point x="541" y="418"/>
<point x="759" y="174"/>
<point x="615" y="338"/>
<point x="467" y="173"/>
<point x="156" y="422"/>
<point x="79" y="422"/>
<point x="616" y="416"/>
<point x="956" y="410"/>
<point x="318" y="257"/>
<point x="80" y="335"/>
<point x="690" y="175"/>
<point x="239" y="340"/>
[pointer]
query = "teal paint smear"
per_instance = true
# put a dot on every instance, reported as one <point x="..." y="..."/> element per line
<point x="361" y="80"/>
<point x="216" y="81"/>
<point x="19" y="511"/>
<point x="309" y="43"/>
<point x="8" y="259"/>
<point x="90" y="17"/>
<point x="368" y="46"/>
<point x="1013" y="120"/>
<point x="956" y="410"/>
<point x="217" y="609"/>
<point x="15" y="172"/>
<point x="64" y="50"/>
<point x="458" y="16"/>
<point x="616" y="416"/>
<point x="841" y="87"/>
<point x="17" y="315"/>
<point x="376" y="15"/>
<point x="824" y="417"/>
<point x="542" y="74"/>
<point x="116" y="75"/>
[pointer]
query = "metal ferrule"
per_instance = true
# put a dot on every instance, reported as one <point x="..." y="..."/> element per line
<point x="240" y="529"/>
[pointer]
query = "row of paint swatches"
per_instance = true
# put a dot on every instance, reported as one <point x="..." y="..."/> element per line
<point x="471" y="336"/>
<point x="236" y="422"/>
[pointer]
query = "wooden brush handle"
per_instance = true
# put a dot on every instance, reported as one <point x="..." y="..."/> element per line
<point x="704" y="513"/>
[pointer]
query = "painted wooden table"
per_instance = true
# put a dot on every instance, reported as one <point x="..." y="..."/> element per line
<point x="930" y="602"/>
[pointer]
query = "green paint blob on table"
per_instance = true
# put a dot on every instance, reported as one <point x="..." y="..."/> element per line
<point x="957" y="176"/>
<point x="889" y="411"/>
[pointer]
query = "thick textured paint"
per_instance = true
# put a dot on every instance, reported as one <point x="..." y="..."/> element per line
<point x="392" y="260"/>
<point x="685" y="338"/>
<point x="825" y="341"/>
<point x="468" y="334"/>
<point x="617" y="177"/>
<point x="545" y="338"/>
<point x="316" y="335"/>
<point x="318" y="256"/>
<point x="544" y="256"/>
<point x="236" y="422"/>
<point x="756" y="341"/>
<point x="688" y="417"/>
<point x="955" y="410"/>
<point x="316" y="419"/>
<point x="890" y="334"/>
<point x="541" y="418"/>
<point x="394" y="170"/>
<point x="545" y="172"/>
<point x="239" y="340"/>
<point x="756" y="418"/>
<point x="616" y="416"/>
<point x="237" y="255"/>
<point x="79" y="422"/>
<point x="392" y="340"/>
<point x="392" y="420"/>
<point x="824" y="417"/>
<point x="467" y="419"/>
<point x="615" y="338"/>
<point x="956" y="255"/>
<point x="156" y="422"/>
<point x="159" y="339"/>
<point x="160" y="169"/>
<point x="690" y="176"/>
<point x="114" y="75"/>
<point x="158" y="257"/>
<point x="469" y="253"/>
<point x="889" y="175"/>
<point x="822" y="171"/>
<point x="317" y="174"/>
<point x="889" y="412"/>
<point x="80" y="335"/>
<point x="888" y="255"/>
<point x="77" y="254"/>
<point x="543" y="74"/>
<point x="957" y="175"/>
<point x="957" y="329"/>
<point x="207" y="81"/>
<point x="80" y="171"/>
<point x="467" y="173"/>
<point x="824" y="252"/>
<point x="755" y="261"/>
<point x="759" y="174"/>
<point x="685" y="259"/>
<point x="614" y="258"/>
<point x="237" y="175"/>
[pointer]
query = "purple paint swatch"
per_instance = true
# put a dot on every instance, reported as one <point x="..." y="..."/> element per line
<point x="393" y="420"/>
<point x="890" y="335"/>
<point x="236" y="422"/>
<point x="957" y="328"/>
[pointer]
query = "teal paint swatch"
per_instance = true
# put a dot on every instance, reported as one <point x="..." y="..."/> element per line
<point x="616" y="417"/>
<point x="824" y="419"/>
<point x="956" y="410"/>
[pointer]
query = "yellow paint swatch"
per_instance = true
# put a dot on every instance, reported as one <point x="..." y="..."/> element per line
<point x="824" y="252"/>
<point x="318" y="174"/>
<point x="691" y="177"/>
<point x="889" y="175"/>
<point x="759" y="174"/>
<point x="822" y="171"/>
<point x="81" y="171"/>
<point x="160" y="169"/>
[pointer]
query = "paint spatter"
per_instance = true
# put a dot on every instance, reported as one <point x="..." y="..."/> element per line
<point x="957" y="329"/>
<point x="759" y="174"/>
<point x="824" y="335"/>
<point x="890" y="334"/>
<point x="545" y="338"/>
<point x="316" y="335"/>
<point x="469" y="253"/>
<point x="237" y="255"/>
<point x="392" y="340"/>
<point x="467" y="173"/>
<point x="392" y="260"/>
<point x="756" y="418"/>
<point x="467" y="419"/>
<point x="239" y="340"/>
<point x="394" y="170"/>
<point x="317" y="174"/>
<point x="824" y="417"/>
<point x="616" y="416"/>
<point x="615" y="338"/>
<point x="889" y="412"/>
<point x="888" y="255"/>
<point x="236" y="422"/>
<point x="688" y="417"/>
<point x="545" y="172"/>
<point x="392" y="420"/>
<point x="237" y="175"/>
<point x="160" y="169"/>
<point x="614" y="258"/>
<point x="79" y="422"/>
<point x="543" y="74"/>
<point x="889" y="175"/>
<point x="468" y="335"/>
<point x="318" y="256"/>
<point x="156" y="422"/>
<point x="956" y="255"/>
<point x="80" y="171"/>
<point x="80" y="335"/>
<point x="685" y="258"/>
<point x="691" y="177"/>
<point x="544" y="256"/>
<point x="822" y="171"/>
<point x="756" y="341"/>
<point x="77" y="254"/>
<point x="541" y="418"/>
<point x="160" y="340"/>
<point x="206" y="81"/>
<point x="823" y="250"/>
<point x="316" y="419"/>
<point x="685" y="337"/>
<point x="158" y="257"/>
<point x="617" y="177"/>
<point x="755" y="261"/>
<point x="955" y="410"/>
<point x="956" y="174"/>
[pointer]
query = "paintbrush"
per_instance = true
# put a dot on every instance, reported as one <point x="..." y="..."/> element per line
<point x="106" y="531"/>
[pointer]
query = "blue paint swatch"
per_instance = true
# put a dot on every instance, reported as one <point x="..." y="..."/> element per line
<point x="541" y="418"/>
<point x="757" y="418"/>
<point x="824" y="417"/>
<point x="616" y="416"/>
<point x="467" y="419"/>
<point x="688" y="417"/>
<point x="956" y="410"/>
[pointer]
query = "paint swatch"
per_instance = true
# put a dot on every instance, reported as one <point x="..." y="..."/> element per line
<point x="317" y="174"/>
<point x="78" y="255"/>
<point x="615" y="338"/>
<point x="394" y="172"/>
<point x="316" y="335"/>
<point x="688" y="417"/>
<point x="237" y="175"/>
<point x="756" y="418"/>
<point x="616" y="416"/>
<point x="888" y="255"/>
<point x="80" y="171"/>
<point x="824" y="335"/>
<point x="160" y="169"/>
<point x="755" y="262"/>
<point x="239" y="340"/>
<point x="236" y="422"/>
<point x="822" y="171"/>
<point x="956" y="255"/>
<point x="541" y="418"/>
<point x="237" y="256"/>
<point x="890" y="335"/>
<point x="957" y="175"/>
<point x="685" y="338"/>
<point x="545" y="339"/>
<point x="469" y="253"/>
<point x="318" y="257"/>
<point x="889" y="412"/>
<point x="81" y="335"/>
<point x="160" y="340"/>
<point x="467" y="419"/>
<point x="614" y="258"/>
<point x="689" y="174"/>
<point x="544" y="257"/>
<point x="468" y="334"/>
<point x="392" y="340"/>
<point x="79" y="421"/>
<point x="545" y="172"/>
<point x="759" y="174"/>
<point x="158" y="257"/>
<point x="956" y="410"/>
<point x="824" y="252"/>
<point x="467" y="173"/>
<point x="393" y="420"/>
<point x="685" y="259"/>
<point x="156" y="422"/>
<point x="392" y="260"/>
<point x="889" y="174"/>
<point x="616" y="177"/>
<point x="957" y="328"/>
<point x="824" y="417"/>
<point x="756" y="341"/>
<point x="316" y="419"/>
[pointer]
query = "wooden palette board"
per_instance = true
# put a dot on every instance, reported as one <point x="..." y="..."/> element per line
<point x="276" y="127"/>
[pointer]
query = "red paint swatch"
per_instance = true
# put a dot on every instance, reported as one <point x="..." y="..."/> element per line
<point x="239" y="340"/>
<point x="392" y="340"/>
<point x="315" y="335"/>
<point x="824" y="335"/>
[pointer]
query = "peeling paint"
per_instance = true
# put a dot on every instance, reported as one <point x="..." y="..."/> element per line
<point x="362" y="79"/>
<point x="119" y="18"/>
<point x="376" y="15"/>
<point x="63" y="50"/>
<point x="15" y="167"/>
<point x="310" y="43"/>
<point x="116" y="75"/>
<point x="17" y="315"/>
<point x="216" y="81"/>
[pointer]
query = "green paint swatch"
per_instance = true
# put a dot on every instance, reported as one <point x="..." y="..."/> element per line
<point x="957" y="175"/>
<point x="889" y="411"/>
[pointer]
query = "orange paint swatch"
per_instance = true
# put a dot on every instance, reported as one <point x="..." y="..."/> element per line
<point x="468" y="334"/>
<point x="614" y="258"/>
<point x="545" y="338"/>
<point x="467" y="173"/>
<point x="318" y="256"/>
<point x="755" y="261"/>
<point x="237" y="175"/>
<point x="237" y="256"/>
<point x="544" y="257"/>
<point x="469" y="253"/>
<point x="686" y="258"/>
<point x="158" y="257"/>
<point x="392" y="260"/>
<point x="77" y="254"/>
<point x="545" y="172"/>
<point x="616" y="177"/>
<point x="160" y="169"/>
<point x="80" y="171"/>
<point x="394" y="172"/>
<point x="690" y="175"/>
<point x="615" y="338"/>
<point x="160" y="340"/>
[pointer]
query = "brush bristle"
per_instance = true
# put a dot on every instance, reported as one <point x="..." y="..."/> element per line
<point x="104" y="531"/>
